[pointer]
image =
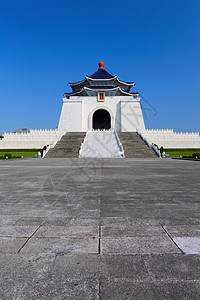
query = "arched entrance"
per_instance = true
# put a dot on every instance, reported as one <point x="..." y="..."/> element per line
<point x="101" y="119"/>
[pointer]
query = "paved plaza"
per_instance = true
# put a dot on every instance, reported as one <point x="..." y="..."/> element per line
<point x="104" y="229"/>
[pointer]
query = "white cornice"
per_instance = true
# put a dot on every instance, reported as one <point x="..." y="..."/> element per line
<point x="104" y="89"/>
<point x="106" y="79"/>
<point x="101" y="79"/>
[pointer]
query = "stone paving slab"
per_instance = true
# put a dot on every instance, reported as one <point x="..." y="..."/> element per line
<point x="99" y="229"/>
<point x="124" y="266"/>
<point x="29" y="221"/>
<point x="173" y="266"/>
<point x="179" y="220"/>
<point x="95" y="266"/>
<point x="83" y="222"/>
<point x="17" y="231"/>
<point x="155" y="290"/>
<point x="132" y="231"/>
<point x="76" y="266"/>
<point x="183" y="230"/>
<point x="53" y="289"/>
<point x="187" y="237"/>
<point x="68" y="231"/>
<point x="189" y="245"/>
<point x="139" y="245"/>
<point x="11" y="245"/>
<point x="18" y="268"/>
<point x="8" y="220"/>
<point x="61" y="245"/>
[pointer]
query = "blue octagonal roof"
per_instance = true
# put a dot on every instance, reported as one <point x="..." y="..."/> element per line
<point x="101" y="74"/>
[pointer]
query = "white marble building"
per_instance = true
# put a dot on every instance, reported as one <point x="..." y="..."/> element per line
<point x="100" y="101"/>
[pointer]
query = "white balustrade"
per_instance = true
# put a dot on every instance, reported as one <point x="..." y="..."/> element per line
<point x="33" y="139"/>
<point x="170" y="139"/>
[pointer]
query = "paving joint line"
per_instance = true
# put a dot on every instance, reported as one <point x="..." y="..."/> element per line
<point x="162" y="226"/>
<point x="99" y="246"/>
<point x="64" y="237"/>
<point x="148" y="269"/>
<point x="28" y="239"/>
<point x="99" y="289"/>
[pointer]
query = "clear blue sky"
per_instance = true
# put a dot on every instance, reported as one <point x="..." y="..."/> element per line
<point x="44" y="44"/>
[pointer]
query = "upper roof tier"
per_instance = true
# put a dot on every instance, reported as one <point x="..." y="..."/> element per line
<point x="101" y="73"/>
<point x="101" y="80"/>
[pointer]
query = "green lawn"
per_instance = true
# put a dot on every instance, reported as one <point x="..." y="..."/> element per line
<point x="181" y="152"/>
<point x="19" y="152"/>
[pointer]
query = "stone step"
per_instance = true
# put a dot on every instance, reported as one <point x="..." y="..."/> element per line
<point x="134" y="146"/>
<point x="68" y="146"/>
<point x="72" y="145"/>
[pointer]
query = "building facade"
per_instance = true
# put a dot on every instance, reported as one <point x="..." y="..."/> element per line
<point x="101" y="101"/>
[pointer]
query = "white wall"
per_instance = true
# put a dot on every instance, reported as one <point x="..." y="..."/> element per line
<point x="35" y="139"/>
<point x="90" y="105"/>
<point x="170" y="139"/>
<point x="71" y="116"/>
<point x="131" y="116"/>
<point x="125" y="112"/>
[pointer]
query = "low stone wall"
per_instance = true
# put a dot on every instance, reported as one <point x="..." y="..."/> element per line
<point x="170" y="139"/>
<point x="35" y="139"/>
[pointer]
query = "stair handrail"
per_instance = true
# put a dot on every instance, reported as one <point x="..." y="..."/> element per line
<point x="148" y="144"/>
<point x="119" y="144"/>
<point x="48" y="147"/>
<point x="81" y="147"/>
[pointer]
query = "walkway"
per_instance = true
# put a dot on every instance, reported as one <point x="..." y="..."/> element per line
<point x="99" y="229"/>
<point x="101" y="144"/>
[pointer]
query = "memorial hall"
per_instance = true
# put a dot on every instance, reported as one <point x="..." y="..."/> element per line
<point x="100" y="117"/>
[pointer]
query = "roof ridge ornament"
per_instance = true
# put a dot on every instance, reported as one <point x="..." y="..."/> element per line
<point x="101" y="65"/>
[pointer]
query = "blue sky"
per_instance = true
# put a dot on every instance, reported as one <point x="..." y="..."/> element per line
<point x="44" y="44"/>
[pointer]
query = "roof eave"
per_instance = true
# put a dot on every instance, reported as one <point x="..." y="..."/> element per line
<point x="100" y="90"/>
<point x="101" y="79"/>
<point x="77" y="83"/>
<point x="71" y="84"/>
<point x="126" y="83"/>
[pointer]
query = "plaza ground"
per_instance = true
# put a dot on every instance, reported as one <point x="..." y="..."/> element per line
<point x="99" y="229"/>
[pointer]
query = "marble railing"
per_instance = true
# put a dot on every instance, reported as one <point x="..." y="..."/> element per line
<point x="33" y="139"/>
<point x="170" y="139"/>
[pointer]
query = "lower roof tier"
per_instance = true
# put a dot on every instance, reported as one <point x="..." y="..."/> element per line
<point x="108" y="90"/>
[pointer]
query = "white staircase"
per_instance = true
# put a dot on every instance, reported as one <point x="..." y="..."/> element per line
<point x="101" y="143"/>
